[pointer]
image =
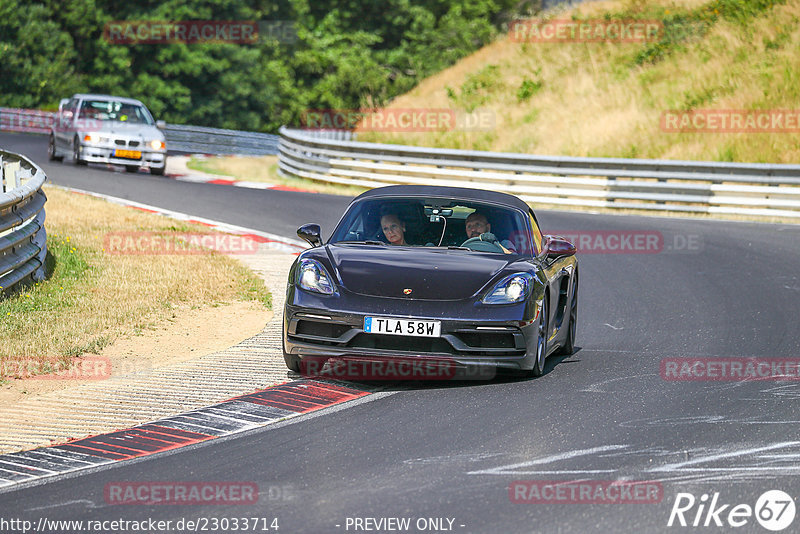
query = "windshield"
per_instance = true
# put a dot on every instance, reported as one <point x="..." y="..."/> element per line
<point x="106" y="110"/>
<point x="435" y="222"/>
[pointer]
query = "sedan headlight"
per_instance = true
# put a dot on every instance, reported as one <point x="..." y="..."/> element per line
<point x="509" y="290"/>
<point x="312" y="276"/>
<point x="156" y="144"/>
<point x="91" y="138"/>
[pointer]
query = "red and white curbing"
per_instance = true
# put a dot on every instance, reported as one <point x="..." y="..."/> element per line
<point x="178" y="170"/>
<point x="239" y="414"/>
<point x="266" y="239"/>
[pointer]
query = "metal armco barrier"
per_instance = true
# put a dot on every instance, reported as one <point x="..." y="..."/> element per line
<point x="180" y="137"/>
<point x="199" y="139"/>
<point x="756" y="189"/>
<point x="23" y="239"/>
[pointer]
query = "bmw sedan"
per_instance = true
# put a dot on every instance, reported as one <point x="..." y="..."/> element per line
<point x="416" y="279"/>
<point x="107" y="129"/>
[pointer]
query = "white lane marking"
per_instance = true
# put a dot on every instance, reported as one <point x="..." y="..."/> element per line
<point x="453" y="458"/>
<point x="594" y="387"/>
<point x="512" y="469"/>
<point x="614" y="327"/>
<point x="88" y="503"/>
<point x="683" y="466"/>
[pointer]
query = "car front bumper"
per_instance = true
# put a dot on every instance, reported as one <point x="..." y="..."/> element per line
<point x="482" y="340"/>
<point x="102" y="154"/>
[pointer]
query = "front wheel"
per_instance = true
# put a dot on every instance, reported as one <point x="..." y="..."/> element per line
<point x="541" y="341"/>
<point x="51" y="150"/>
<point x="76" y="153"/>
<point x="158" y="171"/>
<point x="292" y="362"/>
<point x="569" y="344"/>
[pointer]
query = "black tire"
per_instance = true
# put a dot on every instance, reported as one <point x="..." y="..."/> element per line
<point x="541" y="342"/>
<point x="158" y="171"/>
<point x="51" y="150"/>
<point x="76" y="153"/>
<point x="131" y="168"/>
<point x="569" y="345"/>
<point x="292" y="362"/>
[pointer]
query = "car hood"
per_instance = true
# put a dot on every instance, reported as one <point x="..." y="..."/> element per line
<point x="146" y="131"/>
<point x="430" y="273"/>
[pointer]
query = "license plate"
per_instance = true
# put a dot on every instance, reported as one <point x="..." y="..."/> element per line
<point x="402" y="327"/>
<point x="129" y="154"/>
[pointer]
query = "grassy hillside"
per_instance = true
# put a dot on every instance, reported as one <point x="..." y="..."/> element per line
<point x="607" y="99"/>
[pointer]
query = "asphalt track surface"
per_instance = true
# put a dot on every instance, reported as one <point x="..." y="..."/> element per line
<point x="452" y="450"/>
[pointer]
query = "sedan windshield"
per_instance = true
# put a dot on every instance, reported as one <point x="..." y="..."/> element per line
<point x="435" y="222"/>
<point x="106" y="110"/>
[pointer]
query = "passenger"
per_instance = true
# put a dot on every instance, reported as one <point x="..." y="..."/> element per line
<point x="477" y="224"/>
<point x="394" y="229"/>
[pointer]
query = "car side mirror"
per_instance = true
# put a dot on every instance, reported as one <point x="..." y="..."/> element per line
<point x="161" y="124"/>
<point x="557" y="247"/>
<point x="311" y="233"/>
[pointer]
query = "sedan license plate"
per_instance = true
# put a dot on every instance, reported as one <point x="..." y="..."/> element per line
<point x="128" y="154"/>
<point x="402" y="327"/>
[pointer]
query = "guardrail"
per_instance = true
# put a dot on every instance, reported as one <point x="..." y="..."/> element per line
<point x="756" y="189"/>
<point x="199" y="139"/>
<point x="180" y="137"/>
<point x="23" y="239"/>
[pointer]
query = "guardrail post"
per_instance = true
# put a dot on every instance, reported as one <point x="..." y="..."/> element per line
<point x="11" y="178"/>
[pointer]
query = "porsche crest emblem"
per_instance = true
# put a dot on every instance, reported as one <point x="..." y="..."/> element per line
<point x="407" y="291"/>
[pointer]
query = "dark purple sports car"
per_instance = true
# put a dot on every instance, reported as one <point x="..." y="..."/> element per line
<point x="415" y="277"/>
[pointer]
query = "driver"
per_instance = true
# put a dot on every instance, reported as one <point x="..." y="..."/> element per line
<point x="477" y="224"/>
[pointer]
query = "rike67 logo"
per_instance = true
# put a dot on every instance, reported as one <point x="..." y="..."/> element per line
<point x="774" y="510"/>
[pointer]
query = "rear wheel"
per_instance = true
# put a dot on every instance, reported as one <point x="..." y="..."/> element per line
<point x="541" y="341"/>
<point x="51" y="150"/>
<point x="569" y="344"/>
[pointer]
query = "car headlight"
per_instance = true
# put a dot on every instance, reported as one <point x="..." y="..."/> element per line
<point x="91" y="138"/>
<point x="511" y="289"/>
<point x="312" y="276"/>
<point x="156" y="144"/>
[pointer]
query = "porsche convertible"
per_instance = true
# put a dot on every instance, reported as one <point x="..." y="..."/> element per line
<point x="418" y="278"/>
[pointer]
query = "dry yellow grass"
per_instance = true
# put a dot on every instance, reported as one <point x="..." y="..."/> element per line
<point x="94" y="297"/>
<point x="595" y="101"/>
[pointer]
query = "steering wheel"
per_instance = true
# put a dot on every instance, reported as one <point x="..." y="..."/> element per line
<point x="483" y="243"/>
